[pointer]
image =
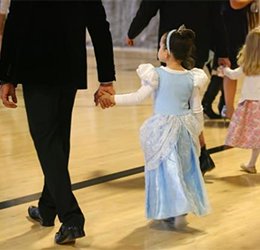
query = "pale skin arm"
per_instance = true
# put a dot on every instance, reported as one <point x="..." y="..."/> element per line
<point x="2" y="22"/>
<point x="230" y="87"/>
<point x="239" y="4"/>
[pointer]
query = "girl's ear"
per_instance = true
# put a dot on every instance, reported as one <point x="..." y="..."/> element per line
<point x="167" y="54"/>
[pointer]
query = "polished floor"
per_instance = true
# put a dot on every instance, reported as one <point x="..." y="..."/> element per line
<point x="104" y="144"/>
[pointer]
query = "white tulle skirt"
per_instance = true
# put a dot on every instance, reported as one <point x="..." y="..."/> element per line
<point x="173" y="180"/>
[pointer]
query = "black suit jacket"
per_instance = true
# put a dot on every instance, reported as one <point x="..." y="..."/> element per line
<point x="203" y="17"/>
<point x="44" y="42"/>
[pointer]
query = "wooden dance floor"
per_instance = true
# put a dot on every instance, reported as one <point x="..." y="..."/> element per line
<point x="108" y="179"/>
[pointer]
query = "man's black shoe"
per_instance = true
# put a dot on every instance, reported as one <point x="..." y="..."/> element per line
<point x="34" y="214"/>
<point x="211" y="114"/>
<point x="68" y="234"/>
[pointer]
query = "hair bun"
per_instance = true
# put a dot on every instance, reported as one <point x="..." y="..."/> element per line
<point x="187" y="33"/>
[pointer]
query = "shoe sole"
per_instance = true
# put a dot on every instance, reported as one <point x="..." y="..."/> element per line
<point x="247" y="170"/>
<point x="69" y="240"/>
<point x="180" y="226"/>
<point x="208" y="170"/>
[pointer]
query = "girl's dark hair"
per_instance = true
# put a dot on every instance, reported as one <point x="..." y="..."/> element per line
<point x="182" y="47"/>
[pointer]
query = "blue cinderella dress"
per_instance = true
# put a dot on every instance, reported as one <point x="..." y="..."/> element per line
<point x="169" y="139"/>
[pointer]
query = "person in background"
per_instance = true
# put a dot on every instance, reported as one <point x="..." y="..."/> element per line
<point x="4" y="7"/>
<point x="244" y="128"/>
<point x="251" y="8"/>
<point x="237" y="29"/>
<point x="215" y="86"/>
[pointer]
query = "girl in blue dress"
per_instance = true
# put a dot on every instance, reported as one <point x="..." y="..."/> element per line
<point x="169" y="138"/>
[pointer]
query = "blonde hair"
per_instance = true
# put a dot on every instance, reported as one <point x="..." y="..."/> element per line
<point x="249" y="55"/>
<point x="253" y="15"/>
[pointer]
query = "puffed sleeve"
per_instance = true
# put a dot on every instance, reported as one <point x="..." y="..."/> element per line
<point x="149" y="79"/>
<point x="200" y="77"/>
<point x="148" y="75"/>
<point x="233" y="74"/>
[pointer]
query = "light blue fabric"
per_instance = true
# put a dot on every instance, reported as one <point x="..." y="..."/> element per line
<point x="174" y="183"/>
<point x="173" y="93"/>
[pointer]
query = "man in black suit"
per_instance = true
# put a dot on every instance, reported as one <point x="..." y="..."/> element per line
<point x="44" y="49"/>
<point x="204" y="18"/>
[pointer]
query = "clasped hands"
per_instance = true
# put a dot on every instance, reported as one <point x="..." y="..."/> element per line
<point x="105" y="96"/>
<point x="222" y="62"/>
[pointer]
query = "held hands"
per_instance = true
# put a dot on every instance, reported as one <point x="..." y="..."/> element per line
<point x="8" y="90"/>
<point x="224" y="61"/>
<point x="105" y="99"/>
<point x="104" y="89"/>
<point x="220" y="71"/>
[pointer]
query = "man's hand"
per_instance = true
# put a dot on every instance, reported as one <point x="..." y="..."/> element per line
<point x="7" y="90"/>
<point x="129" y="42"/>
<point x="224" y="61"/>
<point x="104" y="88"/>
<point x="105" y="99"/>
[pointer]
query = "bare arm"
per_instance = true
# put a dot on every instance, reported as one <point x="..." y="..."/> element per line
<point x="2" y="21"/>
<point x="239" y="4"/>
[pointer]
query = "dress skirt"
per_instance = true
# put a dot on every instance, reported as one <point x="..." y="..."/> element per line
<point x="173" y="180"/>
<point x="244" y="127"/>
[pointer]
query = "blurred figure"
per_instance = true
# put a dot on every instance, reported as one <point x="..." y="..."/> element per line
<point x="4" y="7"/>
<point x="251" y="9"/>
<point x="237" y="29"/>
<point x="203" y="17"/>
<point x="244" y="128"/>
<point x="215" y="85"/>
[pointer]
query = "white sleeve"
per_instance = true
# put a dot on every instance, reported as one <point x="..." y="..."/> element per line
<point x="233" y="73"/>
<point x="195" y="105"/>
<point x="200" y="77"/>
<point x="135" y="97"/>
<point x="148" y="75"/>
<point x="4" y="6"/>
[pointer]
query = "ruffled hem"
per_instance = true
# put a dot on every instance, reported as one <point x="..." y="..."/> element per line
<point x="176" y="187"/>
<point x="244" y="128"/>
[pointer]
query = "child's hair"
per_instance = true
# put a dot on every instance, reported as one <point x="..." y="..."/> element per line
<point x="182" y="46"/>
<point x="253" y="15"/>
<point x="249" y="55"/>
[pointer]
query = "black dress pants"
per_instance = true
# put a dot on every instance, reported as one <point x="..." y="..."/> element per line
<point x="49" y="110"/>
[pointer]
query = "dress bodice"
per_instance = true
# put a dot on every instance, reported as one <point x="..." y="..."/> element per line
<point x="173" y="93"/>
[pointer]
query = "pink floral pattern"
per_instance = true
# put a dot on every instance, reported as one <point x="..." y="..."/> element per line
<point x="244" y="128"/>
